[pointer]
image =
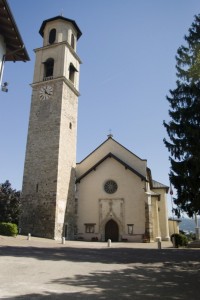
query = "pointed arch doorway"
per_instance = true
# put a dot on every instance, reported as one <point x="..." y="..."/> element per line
<point x="112" y="231"/>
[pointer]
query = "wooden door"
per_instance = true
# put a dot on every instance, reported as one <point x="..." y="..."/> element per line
<point x="112" y="231"/>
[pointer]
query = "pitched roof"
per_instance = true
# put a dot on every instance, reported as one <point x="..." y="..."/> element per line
<point x="79" y="33"/>
<point x="109" y="137"/>
<point x="15" y="49"/>
<point x="155" y="184"/>
<point x="158" y="185"/>
<point x="110" y="155"/>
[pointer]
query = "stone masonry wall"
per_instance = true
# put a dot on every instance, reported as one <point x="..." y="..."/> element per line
<point x="50" y="157"/>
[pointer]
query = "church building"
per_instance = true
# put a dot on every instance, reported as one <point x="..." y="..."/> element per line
<point x="108" y="195"/>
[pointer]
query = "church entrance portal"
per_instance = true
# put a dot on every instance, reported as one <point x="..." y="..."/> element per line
<point x="112" y="231"/>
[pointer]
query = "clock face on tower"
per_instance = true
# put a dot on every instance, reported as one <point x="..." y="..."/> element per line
<point x="45" y="92"/>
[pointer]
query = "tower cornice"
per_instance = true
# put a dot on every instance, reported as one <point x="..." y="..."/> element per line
<point x="61" y="43"/>
<point x="53" y="80"/>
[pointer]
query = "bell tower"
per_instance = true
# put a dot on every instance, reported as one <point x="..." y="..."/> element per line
<point x="49" y="170"/>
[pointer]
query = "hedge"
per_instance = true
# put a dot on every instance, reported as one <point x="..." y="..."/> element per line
<point x="9" y="229"/>
<point x="180" y="240"/>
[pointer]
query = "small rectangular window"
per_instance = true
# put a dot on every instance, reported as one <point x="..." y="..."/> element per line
<point x="75" y="230"/>
<point x="76" y="206"/>
<point x="89" y="228"/>
<point x="130" y="229"/>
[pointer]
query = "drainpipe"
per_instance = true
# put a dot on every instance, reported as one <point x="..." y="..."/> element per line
<point x="1" y="70"/>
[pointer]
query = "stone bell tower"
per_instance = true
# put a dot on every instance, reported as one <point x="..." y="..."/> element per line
<point x="49" y="171"/>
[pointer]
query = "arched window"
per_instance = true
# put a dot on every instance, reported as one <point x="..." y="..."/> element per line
<point x="48" y="68"/>
<point x="72" y="71"/>
<point x="52" y="36"/>
<point x="72" y="41"/>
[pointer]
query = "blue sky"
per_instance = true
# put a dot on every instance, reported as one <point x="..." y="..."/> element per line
<point x="128" y="50"/>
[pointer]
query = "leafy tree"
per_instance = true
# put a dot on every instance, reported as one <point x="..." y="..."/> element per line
<point x="9" y="203"/>
<point x="184" y="127"/>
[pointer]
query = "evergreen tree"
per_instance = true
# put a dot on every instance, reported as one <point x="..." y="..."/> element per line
<point x="9" y="203"/>
<point x="184" y="127"/>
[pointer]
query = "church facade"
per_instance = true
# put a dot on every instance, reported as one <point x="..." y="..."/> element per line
<point x="108" y="195"/>
<point x="117" y="198"/>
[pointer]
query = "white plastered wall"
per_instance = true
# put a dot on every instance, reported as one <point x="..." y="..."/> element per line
<point x="163" y="214"/>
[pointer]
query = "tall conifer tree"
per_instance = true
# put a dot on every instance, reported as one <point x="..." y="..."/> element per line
<point x="184" y="127"/>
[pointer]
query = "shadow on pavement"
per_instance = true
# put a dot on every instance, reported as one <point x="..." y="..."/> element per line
<point x="150" y="274"/>
<point x="167" y="281"/>
<point x="108" y="255"/>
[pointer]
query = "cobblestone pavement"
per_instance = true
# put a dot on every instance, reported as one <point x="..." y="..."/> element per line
<point x="47" y="269"/>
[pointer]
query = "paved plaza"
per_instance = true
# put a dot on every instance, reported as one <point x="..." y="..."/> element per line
<point x="47" y="269"/>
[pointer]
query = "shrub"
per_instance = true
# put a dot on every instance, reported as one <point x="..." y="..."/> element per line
<point x="180" y="240"/>
<point x="9" y="229"/>
<point x="191" y="236"/>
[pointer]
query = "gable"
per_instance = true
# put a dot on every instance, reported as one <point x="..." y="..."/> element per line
<point x="112" y="147"/>
<point x="108" y="156"/>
